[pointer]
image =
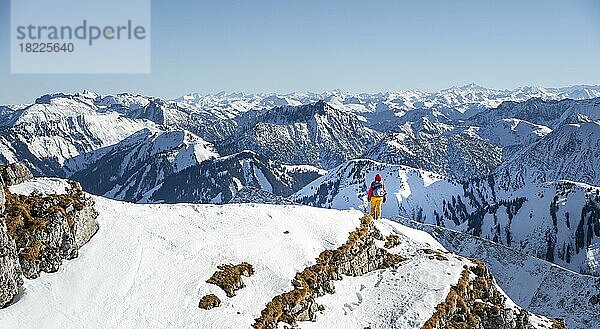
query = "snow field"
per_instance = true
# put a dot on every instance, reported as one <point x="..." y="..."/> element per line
<point x="147" y="265"/>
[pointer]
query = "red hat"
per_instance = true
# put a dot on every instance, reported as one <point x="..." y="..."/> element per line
<point x="378" y="177"/>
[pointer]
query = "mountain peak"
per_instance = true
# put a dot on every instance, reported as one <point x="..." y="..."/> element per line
<point x="472" y="86"/>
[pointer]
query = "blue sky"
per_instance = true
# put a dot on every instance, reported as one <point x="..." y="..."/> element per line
<point x="361" y="46"/>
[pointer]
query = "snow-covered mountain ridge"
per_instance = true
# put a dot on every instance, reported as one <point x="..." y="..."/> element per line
<point x="549" y="113"/>
<point x="218" y="180"/>
<point x="315" y="134"/>
<point x="557" y="221"/>
<point x="461" y="156"/>
<point x="138" y="164"/>
<point x="46" y="134"/>
<point x="160" y="256"/>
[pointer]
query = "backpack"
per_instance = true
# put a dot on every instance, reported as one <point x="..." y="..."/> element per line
<point x="378" y="189"/>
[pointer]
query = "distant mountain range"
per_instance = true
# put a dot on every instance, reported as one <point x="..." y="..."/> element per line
<point x="461" y="155"/>
<point x="453" y="103"/>
<point x="131" y="144"/>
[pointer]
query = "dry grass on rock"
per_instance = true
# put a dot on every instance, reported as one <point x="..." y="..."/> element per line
<point x="209" y="301"/>
<point x="229" y="277"/>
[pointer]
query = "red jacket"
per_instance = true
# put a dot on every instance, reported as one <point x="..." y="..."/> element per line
<point x="371" y="191"/>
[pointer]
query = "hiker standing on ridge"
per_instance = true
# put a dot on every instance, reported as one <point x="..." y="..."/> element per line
<point x="377" y="195"/>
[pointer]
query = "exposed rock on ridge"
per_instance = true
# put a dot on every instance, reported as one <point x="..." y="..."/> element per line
<point x="356" y="257"/>
<point x="10" y="269"/>
<point x="38" y="231"/>
<point x="476" y="302"/>
<point x="14" y="173"/>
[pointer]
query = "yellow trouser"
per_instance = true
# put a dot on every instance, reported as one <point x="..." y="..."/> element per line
<point x="376" y="206"/>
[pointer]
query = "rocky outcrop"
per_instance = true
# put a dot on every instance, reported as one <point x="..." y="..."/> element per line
<point x="359" y="255"/>
<point x="84" y="221"/>
<point x="392" y="241"/>
<point x="49" y="228"/>
<point x="476" y="302"/>
<point x="2" y="196"/>
<point x="37" y="232"/>
<point x="10" y="270"/>
<point x="14" y="173"/>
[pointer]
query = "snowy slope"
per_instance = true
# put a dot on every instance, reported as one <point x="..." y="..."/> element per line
<point x="461" y="156"/>
<point x="147" y="265"/>
<point x="41" y="185"/>
<point x="571" y="151"/>
<point x="218" y="180"/>
<point x="535" y="284"/>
